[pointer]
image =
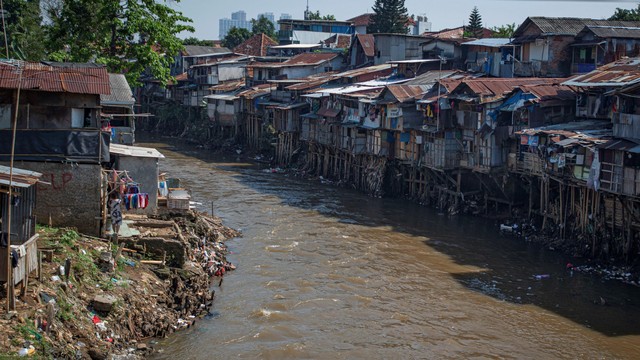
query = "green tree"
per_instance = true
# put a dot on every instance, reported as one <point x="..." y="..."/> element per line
<point x="235" y="37"/>
<point x="474" y="28"/>
<point x="316" y="16"/>
<point x="24" y="31"/>
<point x="129" y="36"/>
<point x="389" y="16"/>
<point x="195" y="41"/>
<point x="263" y="26"/>
<point x="504" y="31"/>
<point x="626" y="14"/>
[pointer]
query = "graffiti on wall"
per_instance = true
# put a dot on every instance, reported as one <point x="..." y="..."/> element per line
<point x="56" y="181"/>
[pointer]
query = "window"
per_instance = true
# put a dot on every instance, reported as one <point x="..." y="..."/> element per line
<point x="5" y="116"/>
<point x="77" y="118"/>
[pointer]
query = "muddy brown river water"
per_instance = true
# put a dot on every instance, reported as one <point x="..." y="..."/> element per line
<point x="329" y="273"/>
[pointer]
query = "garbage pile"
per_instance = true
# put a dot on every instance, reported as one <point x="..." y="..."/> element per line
<point x="95" y="299"/>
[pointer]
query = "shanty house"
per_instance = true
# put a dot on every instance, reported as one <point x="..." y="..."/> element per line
<point x="393" y="47"/>
<point x="362" y="50"/>
<point x="596" y="46"/>
<point x="545" y="43"/>
<point x="299" y="66"/>
<point x="141" y="165"/>
<point x="58" y="135"/>
<point x="483" y="132"/>
<point x="491" y="56"/>
<point x="117" y="111"/>
<point x="23" y="237"/>
<point x="404" y="120"/>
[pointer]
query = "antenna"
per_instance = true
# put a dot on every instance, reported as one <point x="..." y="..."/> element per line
<point x="306" y="12"/>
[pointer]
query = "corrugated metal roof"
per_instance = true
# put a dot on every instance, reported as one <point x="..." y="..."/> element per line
<point x="489" y="42"/>
<point x="627" y="145"/>
<point x="304" y="59"/>
<point x="120" y="92"/>
<point x="197" y="50"/>
<point x="295" y="46"/>
<point x="348" y="89"/>
<point x="363" y="71"/>
<point x="548" y="92"/>
<point x="135" y="151"/>
<point x="367" y="41"/>
<point x="221" y="96"/>
<point x="408" y="92"/>
<point x="256" y="91"/>
<point x="567" y="26"/>
<point x="21" y="178"/>
<point x="229" y="86"/>
<point x="431" y="77"/>
<point x="55" y="77"/>
<point x="490" y="89"/>
<point x="613" y="32"/>
<point x="616" y="74"/>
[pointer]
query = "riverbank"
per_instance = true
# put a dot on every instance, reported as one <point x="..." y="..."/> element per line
<point x="589" y="255"/>
<point x="96" y="300"/>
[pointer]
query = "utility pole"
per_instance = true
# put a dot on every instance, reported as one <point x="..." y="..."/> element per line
<point x="306" y="12"/>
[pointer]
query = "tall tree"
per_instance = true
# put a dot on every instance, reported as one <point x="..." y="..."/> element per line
<point x="474" y="28"/>
<point x="129" y="36"/>
<point x="626" y="14"/>
<point x="504" y="31"/>
<point x="195" y="41"/>
<point x="389" y="16"/>
<point x="24" y="32"/>
<point x="264" y="26"/>
<point x="235" y="37"/>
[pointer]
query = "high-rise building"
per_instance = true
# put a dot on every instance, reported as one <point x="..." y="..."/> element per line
<point x="238" y="19"/>
<point x="269" y="16"/>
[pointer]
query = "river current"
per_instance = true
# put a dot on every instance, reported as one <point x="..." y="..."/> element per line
<point x="329" y="273"/>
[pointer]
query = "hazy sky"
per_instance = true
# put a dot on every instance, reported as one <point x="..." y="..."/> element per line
<point x="441" y="13"/>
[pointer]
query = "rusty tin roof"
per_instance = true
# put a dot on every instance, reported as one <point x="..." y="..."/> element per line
<point x="55" y="77"/>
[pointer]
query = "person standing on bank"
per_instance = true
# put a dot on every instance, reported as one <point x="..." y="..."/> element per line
<point x="116" y="215"/>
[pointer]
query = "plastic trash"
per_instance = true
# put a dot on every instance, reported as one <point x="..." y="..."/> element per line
<point x="27" y="351"/>
<point x="541" y="276"/>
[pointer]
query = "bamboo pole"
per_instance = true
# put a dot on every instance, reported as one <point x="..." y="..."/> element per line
<point x="11" y="301"/>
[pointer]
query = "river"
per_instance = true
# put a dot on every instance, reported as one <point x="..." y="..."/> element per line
<point x="329" y="273"/>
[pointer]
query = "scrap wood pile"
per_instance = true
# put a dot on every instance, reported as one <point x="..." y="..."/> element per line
<point x="374" y="170"/>
<point x="110" y="302"/>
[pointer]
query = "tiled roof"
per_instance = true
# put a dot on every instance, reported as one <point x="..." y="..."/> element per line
<point x="255" y="46"/>
<point x="310" y="59"/>
<point x="76" y="78"/>
<point x="367" y="41"/>
<point x="568" y="26"/>
<point x="338" y="41"/>
<point x="120" y="91"/>
<point x="361" y="20"/>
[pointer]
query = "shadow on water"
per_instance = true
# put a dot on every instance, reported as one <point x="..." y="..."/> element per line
<point x="509" y="265"/>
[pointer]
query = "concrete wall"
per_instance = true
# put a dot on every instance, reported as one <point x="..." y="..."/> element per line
<point x="144" y="171"/>
<point x="72" y="198"/>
